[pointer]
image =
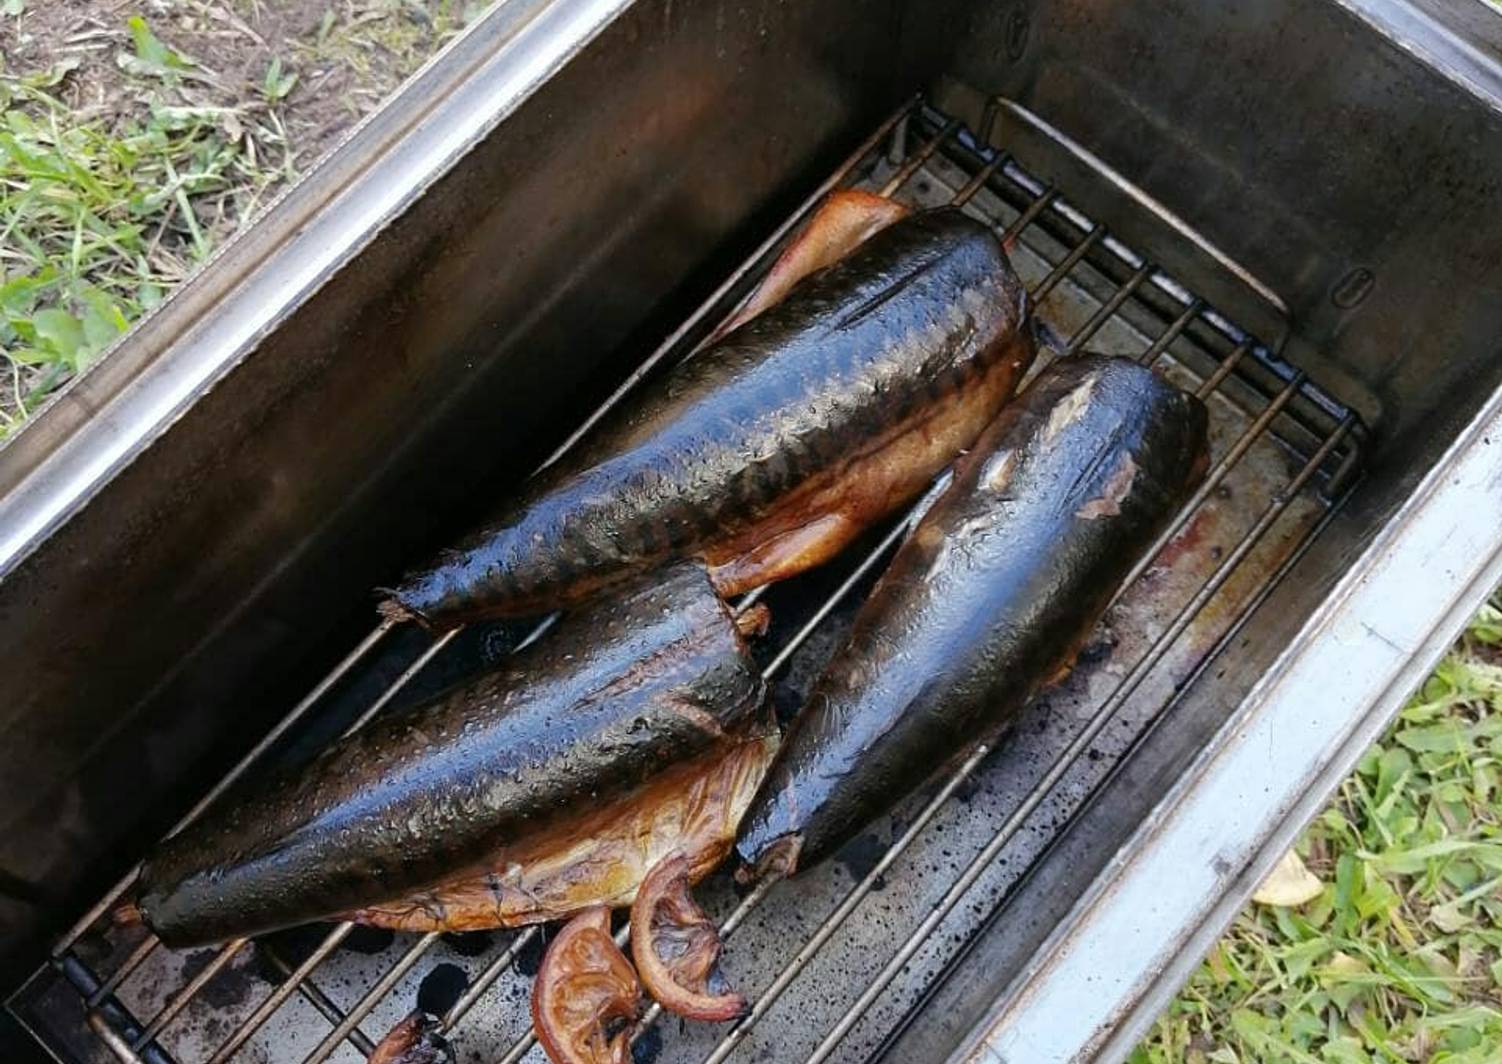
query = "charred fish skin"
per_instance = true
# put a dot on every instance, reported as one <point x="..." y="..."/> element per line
<point x="750" y="438"/>
<point x="617" y="691"/>
<point x="989" y="598"/>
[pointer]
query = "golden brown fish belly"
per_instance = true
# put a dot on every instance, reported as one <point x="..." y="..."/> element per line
<point x="830" y="511"/>
<point x="599" y="857"/>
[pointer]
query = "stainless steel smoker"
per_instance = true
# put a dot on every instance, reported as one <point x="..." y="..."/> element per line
<point x="1293" y="208"/>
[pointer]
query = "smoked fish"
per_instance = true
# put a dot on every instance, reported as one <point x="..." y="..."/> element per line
<point x="989" y="599"/>
<point x="601" y="854"/>
<point x="656" y="675"/>
<point x="768" y="450"/>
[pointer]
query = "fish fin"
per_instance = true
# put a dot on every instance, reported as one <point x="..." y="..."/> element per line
<point x="784" y="554"/>
<point x="778" y="860"/>
<point x="465" y="905"/>
<point x="844" y="221"/>
<point x="391" y="609"/>
<point x="754" y="622"/>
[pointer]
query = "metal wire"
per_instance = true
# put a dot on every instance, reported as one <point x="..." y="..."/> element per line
<point x="1029" y="216"/>
<point x="115" y="893"/>
<point x="978" y="182"/>
<point x="891" y="539"/>
<point x="1214" y="477"/>
<point x="180" y="1000"/>
<point x="837" y="918"/>
<point x="918" y="158"/>
<point x="226" y="953"/>
<point x="287" y="987"/>
<point x="826" y="930"/>
<point x="991" y="169"/>
<point x="1040" y="790"/>
<point x="493" y="971"/>
<point x="1068" y="263"/>
<point x="370" y="1000"/>
<point x="1109" y="309"/>
<point x="674" y="341"/>
<point x="137" y="957"/>
<point x="315" y="996"/>
<point x="1035" y="796"/>
<point x="373" y="996"/>
<point x="497" y="967"/>
<point x="1173" y="332"/>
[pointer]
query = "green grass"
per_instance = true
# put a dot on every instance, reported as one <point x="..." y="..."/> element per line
<point x="104" y="210"/>
<point x="1399" y="958"/>
<point x="374" y="45"/>
<point x="100" y="218"/>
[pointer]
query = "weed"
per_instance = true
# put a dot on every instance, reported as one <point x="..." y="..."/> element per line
<point x="100" y="219"/>
<point x="1400" y="957"/>
<point x="104" y="209"/>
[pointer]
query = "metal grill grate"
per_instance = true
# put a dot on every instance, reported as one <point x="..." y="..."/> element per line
<point x="1268" y="415"/>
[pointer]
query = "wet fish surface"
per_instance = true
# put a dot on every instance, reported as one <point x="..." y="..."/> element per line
<point x="989" y="599"/>
<point x="772" y="447"/>
<point x="620" y="689"/>
<point x="601" y="854"/>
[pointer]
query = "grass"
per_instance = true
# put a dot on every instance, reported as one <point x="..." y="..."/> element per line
<point x="105" y="207"/>
<point x="99" y="219"/>
<point x="1399" y="957"/>
<point x="374" y="45"/>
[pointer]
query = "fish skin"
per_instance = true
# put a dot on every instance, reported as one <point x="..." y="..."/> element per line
<point x="599" y="856"/>
<point x="784" y="422"/>
<point x="620" y="689"/>
<point x="987" y="601"/>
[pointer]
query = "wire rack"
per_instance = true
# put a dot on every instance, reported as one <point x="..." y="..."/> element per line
<point x="1304" y="442"/>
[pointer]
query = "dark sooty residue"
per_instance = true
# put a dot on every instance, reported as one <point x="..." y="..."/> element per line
<point x="1097" y="649"/>
<point x="469" y="943"/>
<point x="530" y="955"/>
<point x="368" y="940"/>
<point x="441" y="988"/>
<point x="648" y="1047"/>
<point x="860" y="855"/>
<point x="289" y="947"/>
<point x="227" y="989"/>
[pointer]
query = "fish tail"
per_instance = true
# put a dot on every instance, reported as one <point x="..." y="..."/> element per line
<point x="391" y="608"/>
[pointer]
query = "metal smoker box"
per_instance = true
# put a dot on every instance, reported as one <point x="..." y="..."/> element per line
<point x="1287" y="207"/>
